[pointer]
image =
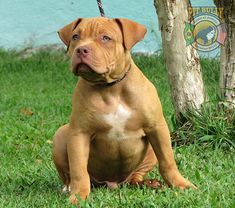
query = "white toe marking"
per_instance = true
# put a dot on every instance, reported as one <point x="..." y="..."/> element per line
<point x="66" y="189"/>
<point x="117" y="120"/>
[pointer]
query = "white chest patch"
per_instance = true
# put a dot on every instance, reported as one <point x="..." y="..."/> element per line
<point x="117" y="120"/>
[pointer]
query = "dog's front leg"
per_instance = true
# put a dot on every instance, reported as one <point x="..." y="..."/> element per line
<point x="159" y="137"/>
<point x="78" y="153"/>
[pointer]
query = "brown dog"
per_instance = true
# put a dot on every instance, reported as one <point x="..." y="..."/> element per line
<point x="117" y="123"/>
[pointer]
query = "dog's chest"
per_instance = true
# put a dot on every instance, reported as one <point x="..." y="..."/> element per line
<point x="117" y="120"/>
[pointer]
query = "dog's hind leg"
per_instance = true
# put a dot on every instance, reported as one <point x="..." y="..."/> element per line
<point x="60" y="155"/>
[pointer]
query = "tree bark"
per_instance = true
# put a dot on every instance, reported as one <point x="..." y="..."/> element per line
<point x="183" y="66"/>
<point x="227" y="52"/>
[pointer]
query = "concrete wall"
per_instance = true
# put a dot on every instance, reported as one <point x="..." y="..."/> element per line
<point x="35" y="22"/>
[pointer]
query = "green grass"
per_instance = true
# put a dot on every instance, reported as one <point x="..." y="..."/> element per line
<point x="213" y="125"/>
<point x="35" y="99"/>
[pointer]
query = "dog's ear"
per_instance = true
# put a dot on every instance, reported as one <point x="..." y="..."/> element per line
<point x="132" y="32"/>
<point x="65" y="33"/>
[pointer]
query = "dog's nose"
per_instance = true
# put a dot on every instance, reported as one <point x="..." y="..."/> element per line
<point x="83" y="51"/>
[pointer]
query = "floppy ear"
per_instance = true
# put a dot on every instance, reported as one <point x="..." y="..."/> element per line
<point x="132" y="32"/>
<point x="65" y="33"/>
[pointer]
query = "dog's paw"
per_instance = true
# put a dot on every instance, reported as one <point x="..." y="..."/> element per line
<point x="149" y="183"/>
<point x="183" y="184"/>
<point x="73" y="199"/>
<point x="186" y="185"/>
<point x="175" y="180"/>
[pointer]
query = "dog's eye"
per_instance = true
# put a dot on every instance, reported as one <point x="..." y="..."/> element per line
<point x="106" y="38"/>
<point x="75" y="37"/>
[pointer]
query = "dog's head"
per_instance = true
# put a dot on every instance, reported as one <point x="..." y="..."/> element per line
<point x="100" y="47"/>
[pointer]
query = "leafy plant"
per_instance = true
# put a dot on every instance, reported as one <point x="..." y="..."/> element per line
<point x="213" y="124"/>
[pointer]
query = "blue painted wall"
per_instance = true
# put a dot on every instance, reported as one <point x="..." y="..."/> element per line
<point x="35" y="22"/>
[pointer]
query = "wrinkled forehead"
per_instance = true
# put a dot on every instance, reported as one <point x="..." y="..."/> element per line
<point x="99" y="26"/>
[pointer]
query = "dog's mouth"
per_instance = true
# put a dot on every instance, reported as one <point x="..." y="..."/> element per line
<point x="82" y="68"/>
<point x="86" y="72"/>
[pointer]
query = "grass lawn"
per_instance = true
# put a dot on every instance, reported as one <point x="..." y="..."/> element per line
<point x="35" y="99"/>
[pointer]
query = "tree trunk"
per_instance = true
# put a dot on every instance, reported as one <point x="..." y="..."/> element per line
<point x="182" y="61"/>
<point x="227" y="52"/>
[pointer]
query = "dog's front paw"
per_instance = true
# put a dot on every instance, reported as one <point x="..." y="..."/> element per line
<point x="76" y="198"/>
<point x="73" y="199"/>
<point x="175" y="180"/>
<point x="182" y="183"/>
